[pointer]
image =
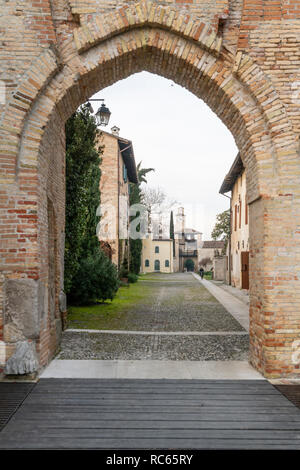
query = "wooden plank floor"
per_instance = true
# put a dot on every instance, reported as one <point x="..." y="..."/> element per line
<point x="153" y="414"/>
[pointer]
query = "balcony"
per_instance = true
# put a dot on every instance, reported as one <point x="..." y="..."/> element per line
<point x="188" y="253"/>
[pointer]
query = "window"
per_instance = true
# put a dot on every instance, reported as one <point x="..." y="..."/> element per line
<point x="235" y="216"/>
<point x="157" y="249"/>
<point x="147" y="264"/>
<point x="167" y="264"/>
<point x="246" y="211"/>
<point x="124" y="173"/>
<point x="240" y="214"/>
<point x="157" y="265"/>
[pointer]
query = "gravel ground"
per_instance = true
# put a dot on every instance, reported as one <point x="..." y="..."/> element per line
<point x="174" y="302"/>
<point x="105" y="346"/>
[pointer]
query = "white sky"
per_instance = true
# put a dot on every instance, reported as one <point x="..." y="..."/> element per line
<point x="176" y="133"/>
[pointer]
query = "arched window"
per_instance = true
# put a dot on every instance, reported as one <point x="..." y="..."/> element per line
<point x="147" y="263"/>
<point x="167" y="264"/>
<point x="157" y="249"/>
<point x="157" y="265"/>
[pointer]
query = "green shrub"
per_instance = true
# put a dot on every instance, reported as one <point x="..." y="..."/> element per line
<point x="96" y="280"/>
<point x="132" y="277"/>
<point x="189" y="264"/>
<point x="208" y="275"/>
<point x="135" y="255"/>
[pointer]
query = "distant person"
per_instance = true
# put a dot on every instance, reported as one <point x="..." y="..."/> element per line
<point x="201" y="271"/>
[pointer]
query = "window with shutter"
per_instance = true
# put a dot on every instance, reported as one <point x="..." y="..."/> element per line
<point x="124" y="173"/>
<point x="235" y="217"/>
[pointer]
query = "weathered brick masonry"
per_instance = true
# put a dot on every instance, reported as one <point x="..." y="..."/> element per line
<point x="240" y="56"/>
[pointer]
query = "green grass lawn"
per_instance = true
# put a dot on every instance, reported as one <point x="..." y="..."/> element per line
<point x="155" y="303"/>
<point x="109" y="314"/>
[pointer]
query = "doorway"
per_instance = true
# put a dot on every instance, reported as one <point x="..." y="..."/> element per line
<point x="245" y="269"/>
<point x="157" y="265"/>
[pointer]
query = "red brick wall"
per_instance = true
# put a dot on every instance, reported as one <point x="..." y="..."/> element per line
<point x="51" y="197"/>
<point x="241" y="57"/>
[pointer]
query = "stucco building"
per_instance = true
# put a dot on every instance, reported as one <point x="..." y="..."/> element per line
<point x="238" y="248"/>
<point x="118" y="169"/>
<point x="209" y="250"/>
<point x="157" y="255"/>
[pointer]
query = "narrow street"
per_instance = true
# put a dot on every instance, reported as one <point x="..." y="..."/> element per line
<point x="175" y="318"/>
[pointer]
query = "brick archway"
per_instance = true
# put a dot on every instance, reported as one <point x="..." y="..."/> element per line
<point x="98" y="53"/>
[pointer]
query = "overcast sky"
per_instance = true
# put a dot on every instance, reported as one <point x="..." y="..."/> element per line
<point x="176" y="133"/>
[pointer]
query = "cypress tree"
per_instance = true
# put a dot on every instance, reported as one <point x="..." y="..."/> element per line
<point x="172" y="237"/>
<point x="89" y="274"/>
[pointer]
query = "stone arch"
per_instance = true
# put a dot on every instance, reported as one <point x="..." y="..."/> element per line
<point x="149" y="14"/>
<point x="141" y="17"/>
<point x="238" y="86"/>
<point x="190" y="53"/>
<point x="19" y="106"/>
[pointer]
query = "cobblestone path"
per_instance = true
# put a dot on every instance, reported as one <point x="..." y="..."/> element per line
<point x="176" y="318"/>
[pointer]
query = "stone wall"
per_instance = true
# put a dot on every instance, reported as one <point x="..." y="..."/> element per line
<point x="219" y="267"/>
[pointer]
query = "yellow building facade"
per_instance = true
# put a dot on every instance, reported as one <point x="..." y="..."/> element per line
<point x="238" y="264"/>
<point x="157" y="255"/>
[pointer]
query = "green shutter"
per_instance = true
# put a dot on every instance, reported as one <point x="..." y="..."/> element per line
<point x="124" y="173"/>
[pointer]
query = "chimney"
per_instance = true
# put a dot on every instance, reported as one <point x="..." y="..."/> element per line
<point x="115" y="130"/>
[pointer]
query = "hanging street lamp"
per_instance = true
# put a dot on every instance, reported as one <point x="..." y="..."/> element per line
<point x="102" y="115"/>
